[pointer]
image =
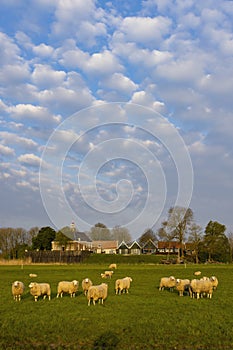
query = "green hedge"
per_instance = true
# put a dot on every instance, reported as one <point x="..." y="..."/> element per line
<point x="125" y="259"/>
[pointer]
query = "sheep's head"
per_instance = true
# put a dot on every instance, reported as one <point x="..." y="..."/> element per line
<point x="75" y="283"/>
<point x="32" y="284"/>
<point x="86" y="280"/>
<point x="16" y="283"/>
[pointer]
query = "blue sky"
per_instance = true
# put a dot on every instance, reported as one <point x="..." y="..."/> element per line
<point x="114" y="111"/>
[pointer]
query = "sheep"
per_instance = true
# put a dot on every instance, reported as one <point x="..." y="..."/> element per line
<point x="167" y="282"/>
<point x="17" y="290"/>
<point x="197" y="273"/>
<point x="199" y="287"/>
<point x="32" y="275"/>
<point x="106" y="274"/>
<point x="86" y="284"/>
<point x="67" y="287"/>
<point x="122" y="285"/>
<point x="98" y="292"/>
<point x="214" y="281"/>
<point x="40" y="289"/>
<point x="182" y="285"/>
<point x="112" y="266"/>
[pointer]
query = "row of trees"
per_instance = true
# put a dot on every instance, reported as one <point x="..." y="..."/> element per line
<point x="212" y="244"/>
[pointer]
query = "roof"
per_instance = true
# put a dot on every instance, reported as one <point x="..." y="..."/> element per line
<point x="135" y="245"/>
<point x="123" y="245"/>
<point x="149" y="244"/>
<point x="171" y="244"/>
<point x="81" y="236"/>
<point x="105" y="244"/>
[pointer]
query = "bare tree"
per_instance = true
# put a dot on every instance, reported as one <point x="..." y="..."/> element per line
<point x="120" y="234"/>
<point x="195" y="238"/>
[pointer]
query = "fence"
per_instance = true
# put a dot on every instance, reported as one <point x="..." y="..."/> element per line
<point x="66" y="257"/>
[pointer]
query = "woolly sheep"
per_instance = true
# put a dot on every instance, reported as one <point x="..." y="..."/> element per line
<point x="17" y="290"/>
<point x="214" y="281"/>
<point x="106" y="274"/>
<point x="182" y="285"/>
<point x="98" y="292"/>
<point x="197" y="273"/>
<point x="70" y="287"/>
<point x="199" y="287"/>
<point x="86" y="284"/>
<point x="32" y="275"/>
<point x="167" y="282"/>
<point x="112" y="266"/>
<point x="122" y="285"/>
<point x="40" y="289"/>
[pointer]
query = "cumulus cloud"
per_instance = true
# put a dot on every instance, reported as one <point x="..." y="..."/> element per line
<point x="6" y="151"/>
<point x="31" y="112"/>
<point x="29" y="159"/>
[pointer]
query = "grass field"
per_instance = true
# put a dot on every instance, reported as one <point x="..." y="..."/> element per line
<point x="146" y="318"/>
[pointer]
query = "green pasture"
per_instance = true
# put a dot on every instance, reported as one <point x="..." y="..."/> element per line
<point x="143" y="319"/>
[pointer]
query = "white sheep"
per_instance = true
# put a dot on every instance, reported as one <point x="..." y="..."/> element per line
<point x="106" y="274"/>
<point x="40" y="289"/>
<point x="32" y="275"/>
<point x="112" y="266"/>
<point x="122" y="285"/>
<point x="200" y="288"/>
<point x="214" y="281"/>
<point x="197" y="273"/>
<point x="86" y="284"/>
<point x="17" y="290"/>
<point x="98" y="292"/>
<point x="167" y="282"/>
<point x="70" y="287"/>
<point x="182" y="285"/>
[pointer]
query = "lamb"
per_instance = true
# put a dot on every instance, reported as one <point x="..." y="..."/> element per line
<point x="86" y="284"/>
<point x="122" y="285"/>
<point x="112" y="266"/>
<point x="67" y="287"/>
<point x="182" y="285"/>
<point x="32" y="275"/>
<point x="40" y="289"/>
<point x="17" y="290"/>
<point x="98" y="292"/>
<point x="167" y="282"/>
<point x="200" y="287"/>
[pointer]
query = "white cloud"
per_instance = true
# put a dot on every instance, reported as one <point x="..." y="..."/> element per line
<point x="13" y="138"/>
<point x="43" y="50"/>
<point x="29" y="159"/>
<point x="145" y="30"/>
<point x="45" y="77"/>
<point x="31" y="112"/>
<point x="6" y="151"/>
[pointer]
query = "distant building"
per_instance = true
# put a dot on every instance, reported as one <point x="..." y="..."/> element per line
<point x="104" y="247"/>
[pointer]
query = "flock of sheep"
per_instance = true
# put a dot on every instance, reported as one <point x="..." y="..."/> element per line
<point x="195" y="287"/>
<point x="98" y="293"/>
<point x="94" y="293"/>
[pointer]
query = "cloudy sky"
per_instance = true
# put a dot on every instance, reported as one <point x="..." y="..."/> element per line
<point x="115" y="111"/>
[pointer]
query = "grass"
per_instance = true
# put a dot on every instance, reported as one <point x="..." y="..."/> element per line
<point x="143" y="319"/>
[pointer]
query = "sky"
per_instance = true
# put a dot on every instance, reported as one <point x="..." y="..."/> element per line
<point x="115" y="111"/>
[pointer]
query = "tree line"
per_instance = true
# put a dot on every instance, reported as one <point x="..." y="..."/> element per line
<point x="209" y="244"/>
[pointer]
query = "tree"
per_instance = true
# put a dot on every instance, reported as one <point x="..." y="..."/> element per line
<point x="62" y="239"/>
<point x="120" y="234"/>
<point x="148" y="234"/>
<point x="215" y="242"/>
<point x="100" y="232"/>
<point x="230" y="240"/>
<point x="177" y="226"/>
<point x="195" y="238"/>
<point x="44" y="238"/>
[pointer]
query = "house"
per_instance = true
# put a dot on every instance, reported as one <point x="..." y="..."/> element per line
<point x="149" y="247"/>
<point x="123" y="248"/>
<point x="135" y="248"/>
<point x="80" y="240"/>
<point x="104" y="247"/>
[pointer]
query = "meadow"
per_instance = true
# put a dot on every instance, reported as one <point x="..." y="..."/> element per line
<point x="146" y="318"/>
